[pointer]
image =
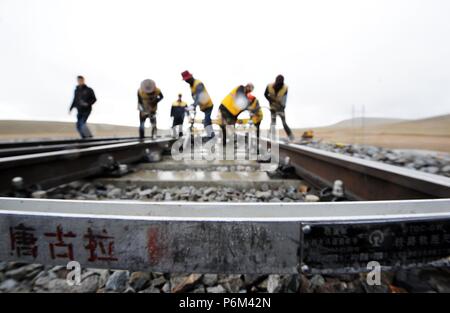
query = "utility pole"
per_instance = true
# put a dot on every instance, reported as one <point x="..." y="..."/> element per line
<point x="363" y="123"/>
<point x="353" y="123"/>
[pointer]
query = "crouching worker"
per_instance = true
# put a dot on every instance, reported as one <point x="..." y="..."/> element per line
<point x="148" y="98"/>
<point x="256" y="116"/>
<point x="233" y="104"/>
<point x="178" y="113"/>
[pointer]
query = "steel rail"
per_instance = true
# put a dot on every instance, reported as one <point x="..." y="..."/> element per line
<point x="53" y="168"/>
<point x="227" y="237"/>
<point x="363" y="179"/>
<point x="45" y="142"/>
<point x="7" y="152"/>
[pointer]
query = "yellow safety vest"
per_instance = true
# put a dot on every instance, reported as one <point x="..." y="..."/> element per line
<point x="230" y="103"/>
<point x="179" y="104"/>
<point x="149" y="100"/>
<point x="257" y="113"/>
<point x="205" y="100"/>
<point x="277" y="95"/>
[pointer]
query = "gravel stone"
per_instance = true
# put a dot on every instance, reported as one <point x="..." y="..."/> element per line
<point x="117" y="281"/>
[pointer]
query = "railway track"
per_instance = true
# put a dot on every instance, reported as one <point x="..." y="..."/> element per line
<point x="17" y="149"/>
<point x="47" y="169"/>
<point x="408" y="226"/>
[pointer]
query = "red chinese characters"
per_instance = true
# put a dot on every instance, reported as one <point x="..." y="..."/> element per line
<point x="23" y="241"/>
<point x="60" y="248"/>
<point x="100" y="246"/>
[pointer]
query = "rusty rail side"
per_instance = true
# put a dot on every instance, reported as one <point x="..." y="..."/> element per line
<point x="363" y="179"/>
<point x="53" y="168"/>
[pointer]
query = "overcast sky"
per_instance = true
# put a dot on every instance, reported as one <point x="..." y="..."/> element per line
<point x="393" y="56"/>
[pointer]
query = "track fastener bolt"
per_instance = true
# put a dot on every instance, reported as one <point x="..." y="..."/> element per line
<point x="306" y="229"/>
<point x="304" y="268"/>
<point x="17" y="182"/>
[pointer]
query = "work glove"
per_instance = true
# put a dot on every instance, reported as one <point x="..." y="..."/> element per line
<point x="190" y="108"/>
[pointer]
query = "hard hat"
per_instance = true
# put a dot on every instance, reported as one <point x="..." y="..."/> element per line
<point x="186" y="75"/>
<point x="148" y="86"/>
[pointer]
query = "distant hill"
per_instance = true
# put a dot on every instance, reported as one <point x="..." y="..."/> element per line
<point x="429" y="133"/>
<point x="367" y="122"/>
<point x="17" y="129"/>
<point x="433" y="126"/>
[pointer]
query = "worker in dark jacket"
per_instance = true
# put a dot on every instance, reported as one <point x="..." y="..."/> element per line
<point x="83" y="100"/>
<point x="178" y="112"/>
<point x="276" y="94"/>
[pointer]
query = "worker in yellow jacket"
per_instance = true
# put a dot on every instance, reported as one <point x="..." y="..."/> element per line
<point x="148" y="98"/>
<point x="232" y="105"/>
<point x="256" y="116"/>
<point x="201" y="99"/>
<point x="178" y="113"/>
<point x="276" y="94"/>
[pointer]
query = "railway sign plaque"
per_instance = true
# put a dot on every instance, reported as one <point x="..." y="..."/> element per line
<point x="350" y="246"/>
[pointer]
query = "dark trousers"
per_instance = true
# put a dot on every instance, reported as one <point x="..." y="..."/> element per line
<point x="83" y="130"/>
<point x="178" y="114"/>
<point x="282" y="115"/>
<point x="227" y="119"/>
<point x="207" y="123"/>
<point x="257" y="137"/>
<point x="178" y="120"/>
<point x="143" y="116"/>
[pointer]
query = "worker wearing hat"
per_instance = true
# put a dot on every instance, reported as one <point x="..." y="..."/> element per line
<point x="232" y="105"/>
<point x="276" y="94"/>
<point x="201" y="99"/>
<point x="148" y="97"/>
<point x="178" y="113"/>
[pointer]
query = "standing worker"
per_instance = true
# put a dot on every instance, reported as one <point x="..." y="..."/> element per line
<point x="178" y="112"/>
<point x="148" y="98"/>
<point x="233" y="104"/>
<point x="276" y="94"/>
<point x="256" y="116"/>
<point x="83" y="100"/>
<point x="202" y="99"/>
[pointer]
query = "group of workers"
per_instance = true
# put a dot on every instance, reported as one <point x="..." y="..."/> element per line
<point x="240" y="99"/>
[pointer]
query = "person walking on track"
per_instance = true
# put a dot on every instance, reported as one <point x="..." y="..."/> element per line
<point x="83" y="101"/>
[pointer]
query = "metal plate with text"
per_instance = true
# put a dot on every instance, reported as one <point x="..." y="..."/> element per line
<point x="391" y="244"/>
<point x="153" y="245"/>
